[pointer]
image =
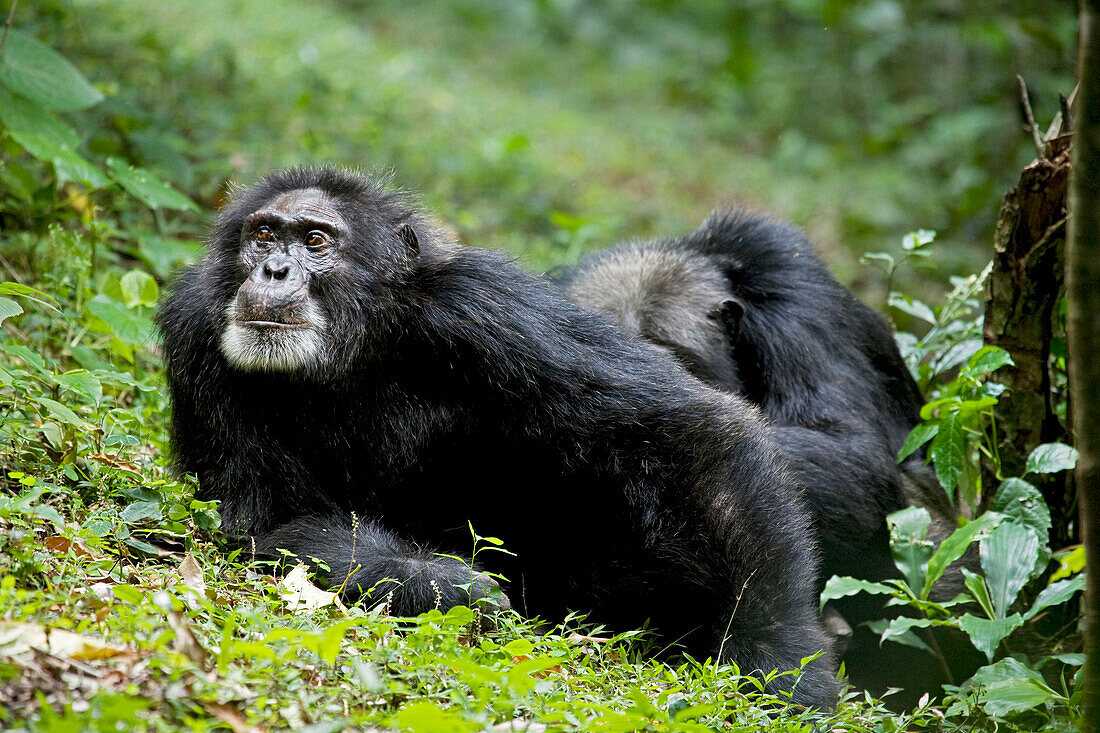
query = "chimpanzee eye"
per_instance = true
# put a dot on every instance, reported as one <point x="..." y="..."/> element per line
<point x="316" y="239"/>
<point x="264" y="234"/>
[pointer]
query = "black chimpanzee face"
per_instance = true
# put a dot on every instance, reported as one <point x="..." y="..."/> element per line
<point x="274" y="322"/>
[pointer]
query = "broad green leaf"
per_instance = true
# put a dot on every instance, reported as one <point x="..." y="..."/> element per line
<point x="1009" y="686"/>
<point x="139" y="288"/>
<point x="1023" y="503"/>
<point x="988" y="359"/>
<point x="10" y="288"/>
<point x="1014" y="696"/>
<point x="425" y="717"/>
<point x="977" y="587"/>
<point x="1008" y="558"/>
<point x="869" y="257"/>
<point x="82" y="382"/>
<point x="917" y="437"/>
<point x="954" y="546"/>
<point x="68" y="165"/>
<point x="142" y="547"/>
<point x="22" y="116"/>
<point x="140" y="510"/>
<point x="909" y="544"/>
<point x="948" y="453"/>
<point x="31" y="359"/>
<point x="986" y="634"/>
<point x="900" y="630"/>
<point x="147" y="188"/>
<point x="129" y="327"/>
<point x="913" y="307"/>
<point x="9" y="308"/>
<point x="1072" y="563"/>
<point x="59" y="412"/>
<point x="1055" y="594"/>
<point x="1051" y="458"/>
<point x="918" y="239"/>
<point x="519" y="647"/>
<point x="840" y="586"/>
<point x="34" y="70"/>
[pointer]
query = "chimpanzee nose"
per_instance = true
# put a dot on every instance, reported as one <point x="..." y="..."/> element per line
<point x="276" y="270"/>
<point x="279" y="271"/>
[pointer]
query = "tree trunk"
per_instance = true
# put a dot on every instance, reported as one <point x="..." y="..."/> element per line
<point x="1083" y="321"/>
<point x="1022" y="294"/>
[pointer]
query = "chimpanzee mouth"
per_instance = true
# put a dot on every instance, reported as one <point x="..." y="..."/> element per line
<point x="280" y="325"/>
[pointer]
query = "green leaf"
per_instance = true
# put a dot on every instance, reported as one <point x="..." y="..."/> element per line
<point x="59" y="412"/>
<point x="988" y="359"/>
<point x="1074" y="562"/>
<point x="900" y="631"/>
<point x="1051" y="458"/>
<point x="10" y="288"/>
<point x="140" y="510"/>
<point x="909" y="544"/>
<point x="22" y="116"/>
<point x="917" y="437"/>
<point x="1004" y="686"/>
<point x="139" y="288"/>
<point x="127" y="594"/>
<point x="68" y="165"/>
<point x="913" y="307"/>
<point x="841" y="586"/>
<point x="1055" y="594"/>
<point x="9" y="308"/>
<point x="82" y="382"/>
<point x="986" y="634"/>
<point x="425" y="717"/>
<point x="147" y="188"/>
<point x="954" y="546"/>
<point x="917" y="239"/>
<point x="519" y="647"/>
<point x="1023" y="503"/>
<point x="977" y="587"/>
<point x="129" y="327"/>
<point x="869" y="257"/>
<point x="1008" y="558"/>
<point x="948" y="453"/>
<point x="34" y="70"/>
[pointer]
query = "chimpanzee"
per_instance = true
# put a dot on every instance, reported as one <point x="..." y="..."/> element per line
<point x="355" y="388"/>
<point x="746" y="306"/>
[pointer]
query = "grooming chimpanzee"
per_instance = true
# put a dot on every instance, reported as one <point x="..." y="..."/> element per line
<point x="745" y="305"/>
<point x="333" y="353"/>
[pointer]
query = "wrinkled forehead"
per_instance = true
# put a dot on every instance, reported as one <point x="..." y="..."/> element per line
<point x="305" y="204"/>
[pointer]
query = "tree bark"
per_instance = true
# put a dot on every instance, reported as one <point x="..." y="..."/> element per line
<point x="1083" y="325"/>
<point x="1021" y="296"/>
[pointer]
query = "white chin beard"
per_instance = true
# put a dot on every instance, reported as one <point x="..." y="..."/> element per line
<point x="274" y="349"/>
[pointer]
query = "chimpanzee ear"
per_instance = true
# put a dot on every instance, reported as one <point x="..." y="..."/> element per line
<point x="407" y="235"/>
<point x="729" y="313"/>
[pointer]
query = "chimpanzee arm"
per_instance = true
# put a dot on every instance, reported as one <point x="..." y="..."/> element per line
<point x="366" y="561"/>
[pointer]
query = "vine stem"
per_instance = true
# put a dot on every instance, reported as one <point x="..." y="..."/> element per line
<point x="7" y="27"/>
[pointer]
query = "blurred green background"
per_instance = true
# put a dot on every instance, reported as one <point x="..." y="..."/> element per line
<point x="548" y="127"/>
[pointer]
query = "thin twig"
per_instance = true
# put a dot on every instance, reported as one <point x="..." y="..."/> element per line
<point x="7" y="27"/>
<point x="1025" y="101"/>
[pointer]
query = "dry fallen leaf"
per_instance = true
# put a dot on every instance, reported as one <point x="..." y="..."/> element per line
<point x="191" y="574"/>
<point x="231" y="717"/>
<point x="19" y="638"/>
<point x="110" y="459"/>
<point x="63" y="545"/>
<point x="304" y="597"/>
<point x="185" y="642"/>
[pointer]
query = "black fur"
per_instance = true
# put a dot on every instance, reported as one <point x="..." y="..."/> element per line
<point x="453" y="387"/>
<point x="746" y="305"/>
